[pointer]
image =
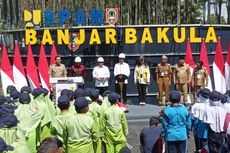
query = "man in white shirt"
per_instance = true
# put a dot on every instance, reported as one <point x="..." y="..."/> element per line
<point x="121" y="74"/>
<point x="101" y="76"/>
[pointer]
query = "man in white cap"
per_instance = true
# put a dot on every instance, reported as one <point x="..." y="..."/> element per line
<point x="121" y="74"/>
<point x="78" y="70"/>
<point x="101" y="76"/>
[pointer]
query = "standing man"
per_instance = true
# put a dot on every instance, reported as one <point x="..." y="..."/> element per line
<point x="78" y="70"/>
<point x="142" y="79"/>
<point x="199" y="77"/>
<point x="182" y="78"/>
<point x="121" y="73"/>
<point x="57" y="70"/>
<point x="101" y="76"/>
<point x="163" y="73"/>
<point x="176" y="124"/>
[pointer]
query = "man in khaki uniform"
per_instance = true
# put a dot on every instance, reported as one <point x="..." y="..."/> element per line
<point x="163" y="73"/>
<point x="199" y="77"/>
<point x="57" y="70"/>
<point x="182" y="78"/>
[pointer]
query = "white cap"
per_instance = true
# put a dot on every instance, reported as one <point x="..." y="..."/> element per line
<point x="77" y="59"/>
<point x="164" y="57"/>
<point x="100" y="59"/>
<point x="228" y="131"/>
<point x="121" y="55"/>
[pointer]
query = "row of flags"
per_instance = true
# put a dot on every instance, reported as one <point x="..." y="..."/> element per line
<point x="221" y="69"/>
<point x="36" y="76"/>
<point x="16" y="76"/>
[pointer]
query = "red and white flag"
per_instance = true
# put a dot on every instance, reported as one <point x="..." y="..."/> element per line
<point x="53" y="54"/>
<point x="189" y="60"/>
<point x="188" y="57"/>
<point x="18" y="69"/>
<point x="43" y="68"/>
<point x="6" y="70"/>
<point x="31" y="70"/>
<point x="218" y="69"/>
<point x="204" y="59"/>
<point x="227" y="68"/>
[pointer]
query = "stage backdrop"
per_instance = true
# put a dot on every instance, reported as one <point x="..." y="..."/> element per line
<point x="151" y="41"/>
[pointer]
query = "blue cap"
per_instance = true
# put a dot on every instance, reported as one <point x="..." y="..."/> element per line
<point x="223" y="98"/>
<point x="25" y="89"/>
<point x="10" y="88"/>
<point x="4" y="146"/>
<point x="63" y="100"/>
<point x="94" y="94"/>
<point x="10" y="100"/>
<point x="88" y="91"/>
<point x="215" y="96"/>
<point x="113" y="96"/>
<point x="8" y="108"/>
<point x="2" y="99"/>
<point x="45" y="91"/>
<point x="81" y="103"/>
<point x="204" y="93"/>
<point x="71" y="92"/>
<point x="65" y="92"/>
<point x="106" y="93"/>
<point x="37" y="92"/>
<point x="24" y="98"/>
<point x="79" y="93"/>
<point x="174" y="96"/>
<point x="14" y="94"/>
<point x="8" y="120"/>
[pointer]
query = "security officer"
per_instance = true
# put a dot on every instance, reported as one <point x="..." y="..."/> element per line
<point x="163" y="73"/>
<point x="199" y="77"/>
<point x="182" y="78"/>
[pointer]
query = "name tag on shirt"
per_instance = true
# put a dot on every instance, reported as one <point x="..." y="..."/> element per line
<point x="198" y="76"/>
<point x="162" y="73"/>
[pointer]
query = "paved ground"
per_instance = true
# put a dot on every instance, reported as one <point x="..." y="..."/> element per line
<point x="138" y="118"/>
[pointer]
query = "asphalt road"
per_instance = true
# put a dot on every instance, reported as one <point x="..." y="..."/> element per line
<point x="138" y="118"/>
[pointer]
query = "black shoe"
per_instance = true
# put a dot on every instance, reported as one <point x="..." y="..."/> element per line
<point x="126" y="111"/>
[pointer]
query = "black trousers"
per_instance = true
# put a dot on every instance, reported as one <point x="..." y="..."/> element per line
<point x="142" y="92"/>
<point x="118" y="90"/>
<point x="102" y="90"/>
<point x="215" y="141"/>
<point x="176" y="146"/>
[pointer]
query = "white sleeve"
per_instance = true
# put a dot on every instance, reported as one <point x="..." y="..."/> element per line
<point x="148" y="75"/>
<point x="94" y="73"/>
<point x="107" y="73"/>
<point x="127" y="70"/>
<point x="115" y="70"/>
<point x="135" y="76"/>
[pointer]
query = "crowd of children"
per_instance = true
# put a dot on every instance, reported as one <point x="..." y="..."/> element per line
<point x="82" y="122"/>
<point x="210" y="122"/>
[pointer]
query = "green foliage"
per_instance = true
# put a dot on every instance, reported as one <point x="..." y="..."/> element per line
<point x="214" y="20"/>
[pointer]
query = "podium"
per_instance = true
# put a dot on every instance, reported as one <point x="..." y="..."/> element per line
<point x="64" y="83"/>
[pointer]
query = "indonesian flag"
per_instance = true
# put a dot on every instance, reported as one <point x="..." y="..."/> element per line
<point x="188" y="57"/>
<point x="31" y="70"/>
<point x="227" y="68"/>
<point x="43" y="68"/>
<point x="189" y="60"/>
<point x="122" y="106"/>
<point x="204" y="59"/>
<point x="6" y="70"/>
<point x="53" y="54"/>
<point x="218" y="69"/>
<point x="18" y="69"/>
